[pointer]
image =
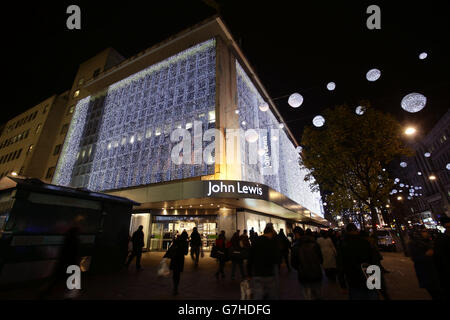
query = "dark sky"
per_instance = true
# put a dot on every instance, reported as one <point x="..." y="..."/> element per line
<point x="295" y="46"/>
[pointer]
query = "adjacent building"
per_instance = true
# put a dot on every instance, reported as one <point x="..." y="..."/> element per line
<point x="186" y="129"/>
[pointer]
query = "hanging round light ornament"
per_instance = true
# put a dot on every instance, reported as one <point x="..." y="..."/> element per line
<point x="318" y="121"/>
<point x="402" y="185"/>
<point x="264" y="107"/>
<point x="403" y="164"/>
<point x="448" y="166"/>
<point x="360" y="110"/>
<point x="427" y="154"/>
<point x="295" y="100"/>
<point x="373" y="75"/>
<point x="251" y="135"/>
<point x="419" y="173"/>
<point x="331" y="86"/>
<point x="423" y="56"/>
<point x="413" y="102"/>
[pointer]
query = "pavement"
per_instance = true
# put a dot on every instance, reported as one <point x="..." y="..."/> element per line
<point x="201" y="284"/>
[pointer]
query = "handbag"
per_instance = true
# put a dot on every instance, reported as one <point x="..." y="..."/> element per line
<point x="163" y="269"/>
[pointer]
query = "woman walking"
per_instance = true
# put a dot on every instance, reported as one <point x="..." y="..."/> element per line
<point x="329" y="255"/>
<point x="176" y="253"/>
<point x="222" y="254"/>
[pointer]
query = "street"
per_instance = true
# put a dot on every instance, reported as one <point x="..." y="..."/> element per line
<point x="201" y="284"/>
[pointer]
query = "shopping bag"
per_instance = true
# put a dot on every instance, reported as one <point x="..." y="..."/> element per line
<point x="163" y="269"/>
<point x="246" y="291"/>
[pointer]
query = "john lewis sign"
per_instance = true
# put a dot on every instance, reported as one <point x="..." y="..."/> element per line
<point x="235" y="189"/>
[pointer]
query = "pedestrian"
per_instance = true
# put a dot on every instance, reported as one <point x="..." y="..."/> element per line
<point x="421" y="248"/>
<point x="284" y="245"/>
<point x="176" y="253"/>
<point x="442" y="258"/>
<point x="137" y="239"/>
<point x="307" y="260"/>
<point x="353" y="252"/>
<point x="253" y="235"/>
<point x="222" y="253"/>
<point x="329" y="255"/>
<point x="245" y="240"/>
<point x="237" y="258"/>
<point x="263" y="259"/>
<point x="196" y="244"/>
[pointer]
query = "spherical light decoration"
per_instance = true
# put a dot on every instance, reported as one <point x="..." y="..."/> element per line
<point x="423" y="55"/>
<point x="413" y="102"/>
<point x="295" y="100"/>
<point x="251" y="135"/>
<point x="427" y="154"/>
<point x="264" y="107"/>
<point x="331" y="86"/>
<point x="318" y="121"/>
<point x="360" y="110"/>
<point x="397" y="180"/>
<point x="402" y="185"/>
<point x="373" y="75"/>
<point x="419" y="173"/>
<point x="448" y="166"/>
<point x="403" y="164"/>
<point x="394" y="191"/>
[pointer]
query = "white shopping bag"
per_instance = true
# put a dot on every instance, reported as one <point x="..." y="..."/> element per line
<point x="163" y="269"/>
<point x="246" y="291"/>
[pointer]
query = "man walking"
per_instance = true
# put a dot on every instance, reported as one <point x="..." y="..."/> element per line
<point x="307" y="259"/>
<point x="196" y="244"/>
<point x="138" y="243"/>
<point x="263" y="259"/>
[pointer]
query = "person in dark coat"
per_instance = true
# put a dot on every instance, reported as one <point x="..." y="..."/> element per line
<point x="285" y="245"/>
<point x="263" y="258"/>
<point x="307" y="259"/>
<point x="176" y="253"/>
<point x="421" y="249"/>
<point x="137" y="239"/>
<point x="442" y="258"/>
<point x="222" y="253"/>
<point x="237" y="257"/>
<point x="353" y="251"/>
<point x="196" y="244"/>
<point x="253" y="235"/>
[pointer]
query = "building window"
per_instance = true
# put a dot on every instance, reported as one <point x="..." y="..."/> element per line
<point x="45" y="109"/>
<point x="38" y="128"/>
<point x="57" y="150"/>
<point x="96" y="73"/>
<point x="30" y="148"/>
<point x="18" y="154"/>
<point x="50" y="173"/>
<point x="81" y="81"/>
<point x="71" y="109"/>
<point x="76" y="93"/>
<point x="64" y="128"/>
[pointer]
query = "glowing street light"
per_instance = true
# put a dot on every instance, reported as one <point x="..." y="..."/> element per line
<point x="410" y="131"/>
<point x="432" y="177"/>
<point x="399" y="198"/>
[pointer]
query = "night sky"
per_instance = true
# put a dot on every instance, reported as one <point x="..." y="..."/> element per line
<point x="295" y="46"/>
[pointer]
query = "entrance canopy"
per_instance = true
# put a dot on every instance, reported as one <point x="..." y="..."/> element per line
<point x="206" y="196"/>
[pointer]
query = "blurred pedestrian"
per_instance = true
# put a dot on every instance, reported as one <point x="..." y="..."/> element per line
<point x="137" y="239"/>
<point x="329" y="255"/>
<point x="442" y="258"/>
<point x="196" y="244"/>
<point x="421" y="248"/>
<point x="307" y="258"/>
<point x="222" y="253"/>
<point x="263" y="259"/>
<point x="253" y="235"/>
<point x="236" y="255"/>
<point x="176" y="253"/>
<point x="353" y="252"/>
<point x="284" y="245"/>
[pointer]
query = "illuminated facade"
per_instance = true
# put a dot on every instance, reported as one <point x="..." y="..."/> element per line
<point x="119" y="141"/>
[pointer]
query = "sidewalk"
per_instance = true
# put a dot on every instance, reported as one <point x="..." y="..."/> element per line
<point x="201" y="284"/>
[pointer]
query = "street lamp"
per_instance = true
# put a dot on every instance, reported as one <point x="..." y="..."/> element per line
<point x="432" y="177"/>
<point x="410" y="131"/>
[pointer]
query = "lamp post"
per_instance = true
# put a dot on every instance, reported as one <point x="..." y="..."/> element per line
<point x="433" y="177"/>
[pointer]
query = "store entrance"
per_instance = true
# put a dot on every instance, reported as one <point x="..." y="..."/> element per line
<point x="166" y="228"/>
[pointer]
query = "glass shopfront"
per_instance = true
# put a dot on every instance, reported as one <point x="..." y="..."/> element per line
<point x="247" y="221"/>
<point x="165" y="228"/>
<point x="140" y="219"/>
